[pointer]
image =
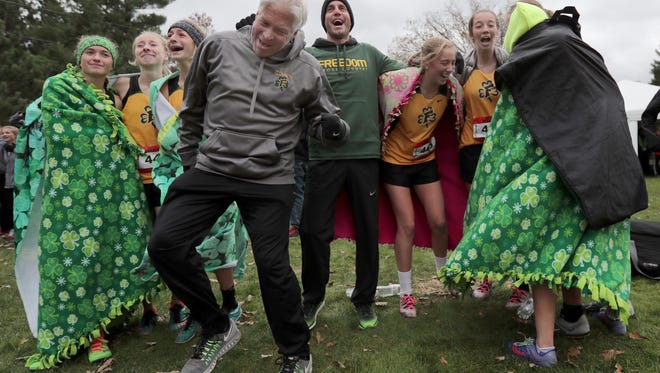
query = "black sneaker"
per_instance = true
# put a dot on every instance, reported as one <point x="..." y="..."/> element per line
<point x="147" y="322"/>
<point x="295" y="364"/>
<point x="210" y="349"/>
<point x="310" y="311"/>
<point x="366" y="316"/>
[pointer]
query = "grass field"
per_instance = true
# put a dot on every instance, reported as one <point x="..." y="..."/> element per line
<point x="449" y="334"/>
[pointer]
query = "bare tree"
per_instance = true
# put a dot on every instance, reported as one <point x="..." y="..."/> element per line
<point x="451" y="23"/>
<point x="204" y="20"/>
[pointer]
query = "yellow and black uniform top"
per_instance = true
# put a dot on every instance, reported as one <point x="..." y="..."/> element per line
<point x="175" y="97"/>
<point x="138" y="118"/>
<point x="411" y="141"/>
<point x="481" y="96"/>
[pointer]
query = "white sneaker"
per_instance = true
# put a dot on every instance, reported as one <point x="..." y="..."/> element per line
<point x="407" y="306"/>
<point x="482" y="291"/>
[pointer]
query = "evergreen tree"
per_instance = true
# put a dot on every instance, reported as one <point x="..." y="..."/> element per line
<point x="39" y="36"/>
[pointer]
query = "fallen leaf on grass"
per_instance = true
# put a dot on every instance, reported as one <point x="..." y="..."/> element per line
<point x="249" y="298"/>
<point x="574" y="351"/>
<point x="443" y="361"/>
<point x="266" y="356"/>
<point x="24" y="341"/>
<point x="340" y="364"/>
<point x="248" y="323"/>
<point x="5" y="287"/>
<point x="330" y="344"/>
<point x="500" y="358"/>
<point x="611" y="354"/>
<point x="319" y="338"/>
<point x="151" y="344"/>
<point x="380" y="304"/>
<point x="618" y="368"/>
<point x="106" y="366"/>
<point x="635" y="335"/>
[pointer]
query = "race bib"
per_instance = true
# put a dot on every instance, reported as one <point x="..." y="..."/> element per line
<point x="423" y="149"/>
<point x="146" y="160"/>
<point x="480" y="127"/>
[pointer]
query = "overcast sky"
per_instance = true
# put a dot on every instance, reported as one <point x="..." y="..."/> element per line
<point x="625" y="32"/>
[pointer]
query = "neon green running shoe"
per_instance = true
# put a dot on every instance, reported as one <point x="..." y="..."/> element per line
<point x="366" y="316"/>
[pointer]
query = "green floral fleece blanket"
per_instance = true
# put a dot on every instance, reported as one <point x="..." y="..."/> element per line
<point x="523" y="223"/>
<point x="81" y="218"/>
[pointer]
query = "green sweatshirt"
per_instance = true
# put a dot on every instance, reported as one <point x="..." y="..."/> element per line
<point x="353" y="70"/>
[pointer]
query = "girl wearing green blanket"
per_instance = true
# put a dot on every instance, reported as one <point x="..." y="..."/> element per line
<point x="223" y="250"/>
<point x="556" y="181"/>
<point x="83" y="225"/>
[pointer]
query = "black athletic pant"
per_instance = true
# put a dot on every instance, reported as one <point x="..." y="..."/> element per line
<point x="193" y="203"/>
<point x="325" y="180"/>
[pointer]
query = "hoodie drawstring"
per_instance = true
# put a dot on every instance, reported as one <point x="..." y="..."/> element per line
<point x="343" y="58"/>
<point x="256" y="86"/>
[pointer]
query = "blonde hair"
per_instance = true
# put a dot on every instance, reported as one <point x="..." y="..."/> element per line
<point x="433" y="47"/>
<point x="161" y="39"/>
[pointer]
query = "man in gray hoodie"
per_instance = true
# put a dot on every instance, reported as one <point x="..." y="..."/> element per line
<point x="245" y="94"/>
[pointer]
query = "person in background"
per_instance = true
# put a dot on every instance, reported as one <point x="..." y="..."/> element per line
<point x="150" y="55"/>
<point x="481" y="97"/>
<point x="8" y="135"/>
<point x="225" y="247"/>
<point x="534" y="213"/>
<point x="7" y="157"/>
<point x="353" y="69"/>
<point x="649" y="130"/>
<point x="246" y="92"/>
<point x="88" y="220"/>
<point x="413" y="111"/>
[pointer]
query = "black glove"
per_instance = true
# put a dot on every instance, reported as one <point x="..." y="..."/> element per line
<point x="17" y="120"/>
<point x="331" y="127"/>
<point x="249" y="20"/>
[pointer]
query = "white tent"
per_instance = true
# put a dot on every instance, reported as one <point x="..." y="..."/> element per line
<point x="636" y="97"/>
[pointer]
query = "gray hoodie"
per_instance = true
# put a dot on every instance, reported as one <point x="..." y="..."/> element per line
<point x="250" y="109"/>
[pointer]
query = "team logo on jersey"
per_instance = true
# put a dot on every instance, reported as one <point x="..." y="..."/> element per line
<point x="426" y="117"/>
<point x="282" y="81"/>
<point x="147" y="117"/>
<point x="488" y="90"/>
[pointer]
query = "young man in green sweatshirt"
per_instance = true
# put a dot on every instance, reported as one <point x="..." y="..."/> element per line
<point x="353" y="69"/>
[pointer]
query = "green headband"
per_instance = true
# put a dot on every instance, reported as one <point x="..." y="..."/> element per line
<point x="100" y="41"/>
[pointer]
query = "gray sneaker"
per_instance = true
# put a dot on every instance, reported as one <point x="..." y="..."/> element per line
<point x="577" y="329"/>
<point x="296" y="364"/>
<point x="210" y="349"/>
<point x="310" y="311"/>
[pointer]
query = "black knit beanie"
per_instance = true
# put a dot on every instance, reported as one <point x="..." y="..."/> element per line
<point x="325" y="7"/>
